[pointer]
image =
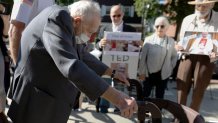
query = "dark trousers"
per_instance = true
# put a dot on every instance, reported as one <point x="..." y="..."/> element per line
<point x="76" y="103"/>
<point x="197" y="69"/>
<point x="154" y="80"/>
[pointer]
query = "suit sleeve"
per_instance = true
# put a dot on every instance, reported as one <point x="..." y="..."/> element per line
<point x="174" y="56"/>
<point x="58" y="41"/>
<point x="92" y="62"/>
<point x="128" y="28"/>
<point x="100" y="36"/>
<point x="142" y="62"/>
<point x="133" y="29"/>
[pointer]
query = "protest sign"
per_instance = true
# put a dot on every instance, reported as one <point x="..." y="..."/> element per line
<point x="201" y="43"/>
<point x="122" y="52"/>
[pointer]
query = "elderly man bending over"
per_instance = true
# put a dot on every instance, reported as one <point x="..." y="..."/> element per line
<point x="50" y="68"/>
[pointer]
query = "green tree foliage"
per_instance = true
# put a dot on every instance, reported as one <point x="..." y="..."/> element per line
<point x="7" y="1"/>
<point x="216" y="7"/>
<point x="177" y="10"/>
<point x="65" y="2"/>
<point x="148" y="8"/>
<point x="10" y="2"/>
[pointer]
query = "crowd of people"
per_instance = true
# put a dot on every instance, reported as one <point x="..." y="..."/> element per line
<point x="52" y="64"/>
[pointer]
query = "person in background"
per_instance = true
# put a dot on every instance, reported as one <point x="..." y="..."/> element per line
<point x="196" y="67"/>
<point x="158" y="59"/>
<point x="22" y="13"/>
<point x="4" y="59"/>
<point x="117" y="25"/>
<point x="50" y="69"/>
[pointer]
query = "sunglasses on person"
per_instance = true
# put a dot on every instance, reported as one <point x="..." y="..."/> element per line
<point x="161" y="26"/>
<point x="116" y="16"/>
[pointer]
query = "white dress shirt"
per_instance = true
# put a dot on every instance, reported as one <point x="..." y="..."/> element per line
<point x="118" y="28"/>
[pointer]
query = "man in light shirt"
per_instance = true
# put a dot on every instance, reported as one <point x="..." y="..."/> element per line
<point x="117" y="25"/>
<point x="197" y="67"/>
<point x="23" y="12"/>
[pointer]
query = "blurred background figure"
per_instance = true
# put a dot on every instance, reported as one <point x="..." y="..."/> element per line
<point x="196" y="67"/>
<point x="158" y="58"/>
<point x="4" y="58"/>
<point x="22" y="13"/>
<point x="117" y="25"/>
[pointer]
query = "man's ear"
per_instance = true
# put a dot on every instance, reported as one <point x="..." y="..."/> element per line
<point x="122" y="14"/>
<point x="212" y="5"/>
<point x="77" y="21"/>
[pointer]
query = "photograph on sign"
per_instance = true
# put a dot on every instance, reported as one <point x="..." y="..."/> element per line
<point x="121" y="45"/>
<point x="120" y="67"/>
<point x="121" y="52"/>
<point x="201" y="43"/>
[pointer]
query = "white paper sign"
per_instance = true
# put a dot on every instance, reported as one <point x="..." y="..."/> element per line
<point x="122" y="52"/>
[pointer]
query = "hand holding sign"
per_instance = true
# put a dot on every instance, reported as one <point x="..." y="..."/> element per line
<point x="141" y="77"/>
<point x="102" y="43"/>
<point x="122" y="78"/>
<point x="178" y="47"/>
<point x="212" y="55"/>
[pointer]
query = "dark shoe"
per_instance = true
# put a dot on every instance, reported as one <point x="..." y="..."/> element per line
<point x="116" y="110"/>
<point x="103" y="110"/>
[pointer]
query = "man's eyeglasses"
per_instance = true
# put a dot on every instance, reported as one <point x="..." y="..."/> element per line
<point x="161" y="26"/>
<point x="116" y="16"/>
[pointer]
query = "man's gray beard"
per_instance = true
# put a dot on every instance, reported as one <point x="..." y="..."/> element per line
<point x="200" y="14"/>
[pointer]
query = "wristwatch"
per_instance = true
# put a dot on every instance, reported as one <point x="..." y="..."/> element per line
<point x="113" y="73"/>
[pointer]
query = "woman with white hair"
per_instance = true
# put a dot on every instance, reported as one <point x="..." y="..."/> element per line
<point x="158" y="58"/>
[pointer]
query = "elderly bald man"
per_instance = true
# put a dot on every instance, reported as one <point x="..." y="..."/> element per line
<point x="117" y="25"/>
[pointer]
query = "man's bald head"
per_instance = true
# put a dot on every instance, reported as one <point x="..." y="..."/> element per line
<point x="116" y="14"/>
<point x="116" y="8"/>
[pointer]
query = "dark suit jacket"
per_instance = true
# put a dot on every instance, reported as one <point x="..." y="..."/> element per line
<point x="50" y="69"/>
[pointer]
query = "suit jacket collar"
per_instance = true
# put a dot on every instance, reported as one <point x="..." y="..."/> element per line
<point x="124" y="27"/>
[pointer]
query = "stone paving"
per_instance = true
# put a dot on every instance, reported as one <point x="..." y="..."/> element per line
<point x="209" y="109"/>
